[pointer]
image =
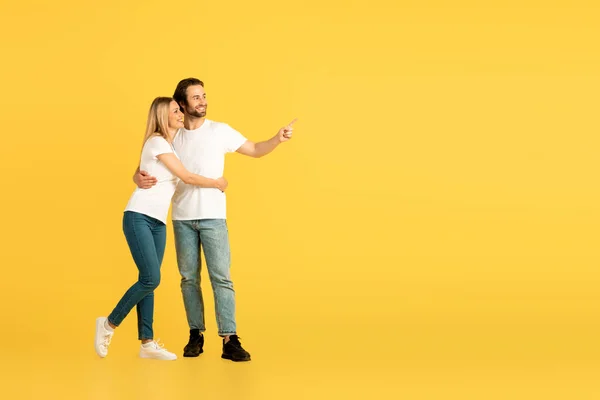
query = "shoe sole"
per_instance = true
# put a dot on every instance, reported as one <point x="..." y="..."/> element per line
<point x="226" y="357"/>
<point x="193" y="354"/>
<point x="156" y="358"/>
<point x="98" y="323"/>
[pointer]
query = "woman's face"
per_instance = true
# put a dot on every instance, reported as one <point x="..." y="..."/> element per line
<point x="175" y="116"/>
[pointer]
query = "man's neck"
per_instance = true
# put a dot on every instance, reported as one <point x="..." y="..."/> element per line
<point x="192" y="123"/>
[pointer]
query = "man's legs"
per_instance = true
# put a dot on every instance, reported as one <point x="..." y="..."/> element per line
<point x="187" y="246"/>
<point x="215" y="243"/>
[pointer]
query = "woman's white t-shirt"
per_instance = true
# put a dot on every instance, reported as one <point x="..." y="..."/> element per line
<point x="154" y="202"/>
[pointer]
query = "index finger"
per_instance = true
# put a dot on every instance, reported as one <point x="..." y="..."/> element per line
<point x="291" y="123"/>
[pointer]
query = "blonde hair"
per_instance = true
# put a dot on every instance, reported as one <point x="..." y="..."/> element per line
<point x="158" y="119"/>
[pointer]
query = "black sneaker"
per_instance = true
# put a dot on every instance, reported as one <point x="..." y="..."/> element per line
<point x="194" y="346"/>
<point x="233" y="350"/>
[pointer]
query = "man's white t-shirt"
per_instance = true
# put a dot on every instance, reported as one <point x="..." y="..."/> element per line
<point x="202" y="151"/>
<point x="154" y="202"/>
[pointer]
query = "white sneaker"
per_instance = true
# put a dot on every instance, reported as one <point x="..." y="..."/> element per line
<point x="103" y="337"/>
<point x="156" y="351"/>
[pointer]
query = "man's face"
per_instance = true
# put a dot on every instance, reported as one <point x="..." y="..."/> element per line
<point x="196" y="101"/>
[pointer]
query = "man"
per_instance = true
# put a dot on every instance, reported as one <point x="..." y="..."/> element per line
<point x="199" y="215"/>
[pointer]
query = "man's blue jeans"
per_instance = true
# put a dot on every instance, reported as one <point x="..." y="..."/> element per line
<point x="212" y="236"/>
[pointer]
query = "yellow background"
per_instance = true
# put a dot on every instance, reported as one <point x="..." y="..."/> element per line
<point x="431" y="232"/>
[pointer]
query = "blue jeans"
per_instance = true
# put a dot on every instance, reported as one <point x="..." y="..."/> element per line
<point x="146" y="238"/>
<point x="212" y="235"/>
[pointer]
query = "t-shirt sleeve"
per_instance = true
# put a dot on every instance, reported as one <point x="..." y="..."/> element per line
<point x="158" y="145"/>
<point x="233" y="139"/>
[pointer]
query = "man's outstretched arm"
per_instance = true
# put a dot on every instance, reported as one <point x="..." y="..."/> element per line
<point x="260" y="149"/>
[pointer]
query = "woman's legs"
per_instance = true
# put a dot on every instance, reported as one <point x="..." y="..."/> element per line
<point x="145" y="307"/>
<point x="146" y="238"/>
<point x="138" y="229"/>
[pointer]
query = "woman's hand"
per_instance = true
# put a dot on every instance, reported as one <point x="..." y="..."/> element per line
<point x="222" y="184"/>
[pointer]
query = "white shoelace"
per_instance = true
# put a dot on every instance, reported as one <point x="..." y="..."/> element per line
<point x="156" y="345"/>
<point x="106" y="340"/>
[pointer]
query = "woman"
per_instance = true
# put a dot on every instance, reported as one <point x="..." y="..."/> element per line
<point x="144" y="224"/>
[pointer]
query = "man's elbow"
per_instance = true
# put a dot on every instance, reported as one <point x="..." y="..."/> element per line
<point x="256" y="153"/>
<point x="251" y="154"/>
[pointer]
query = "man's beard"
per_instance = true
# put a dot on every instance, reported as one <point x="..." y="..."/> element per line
<point x="197" y="114"/>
